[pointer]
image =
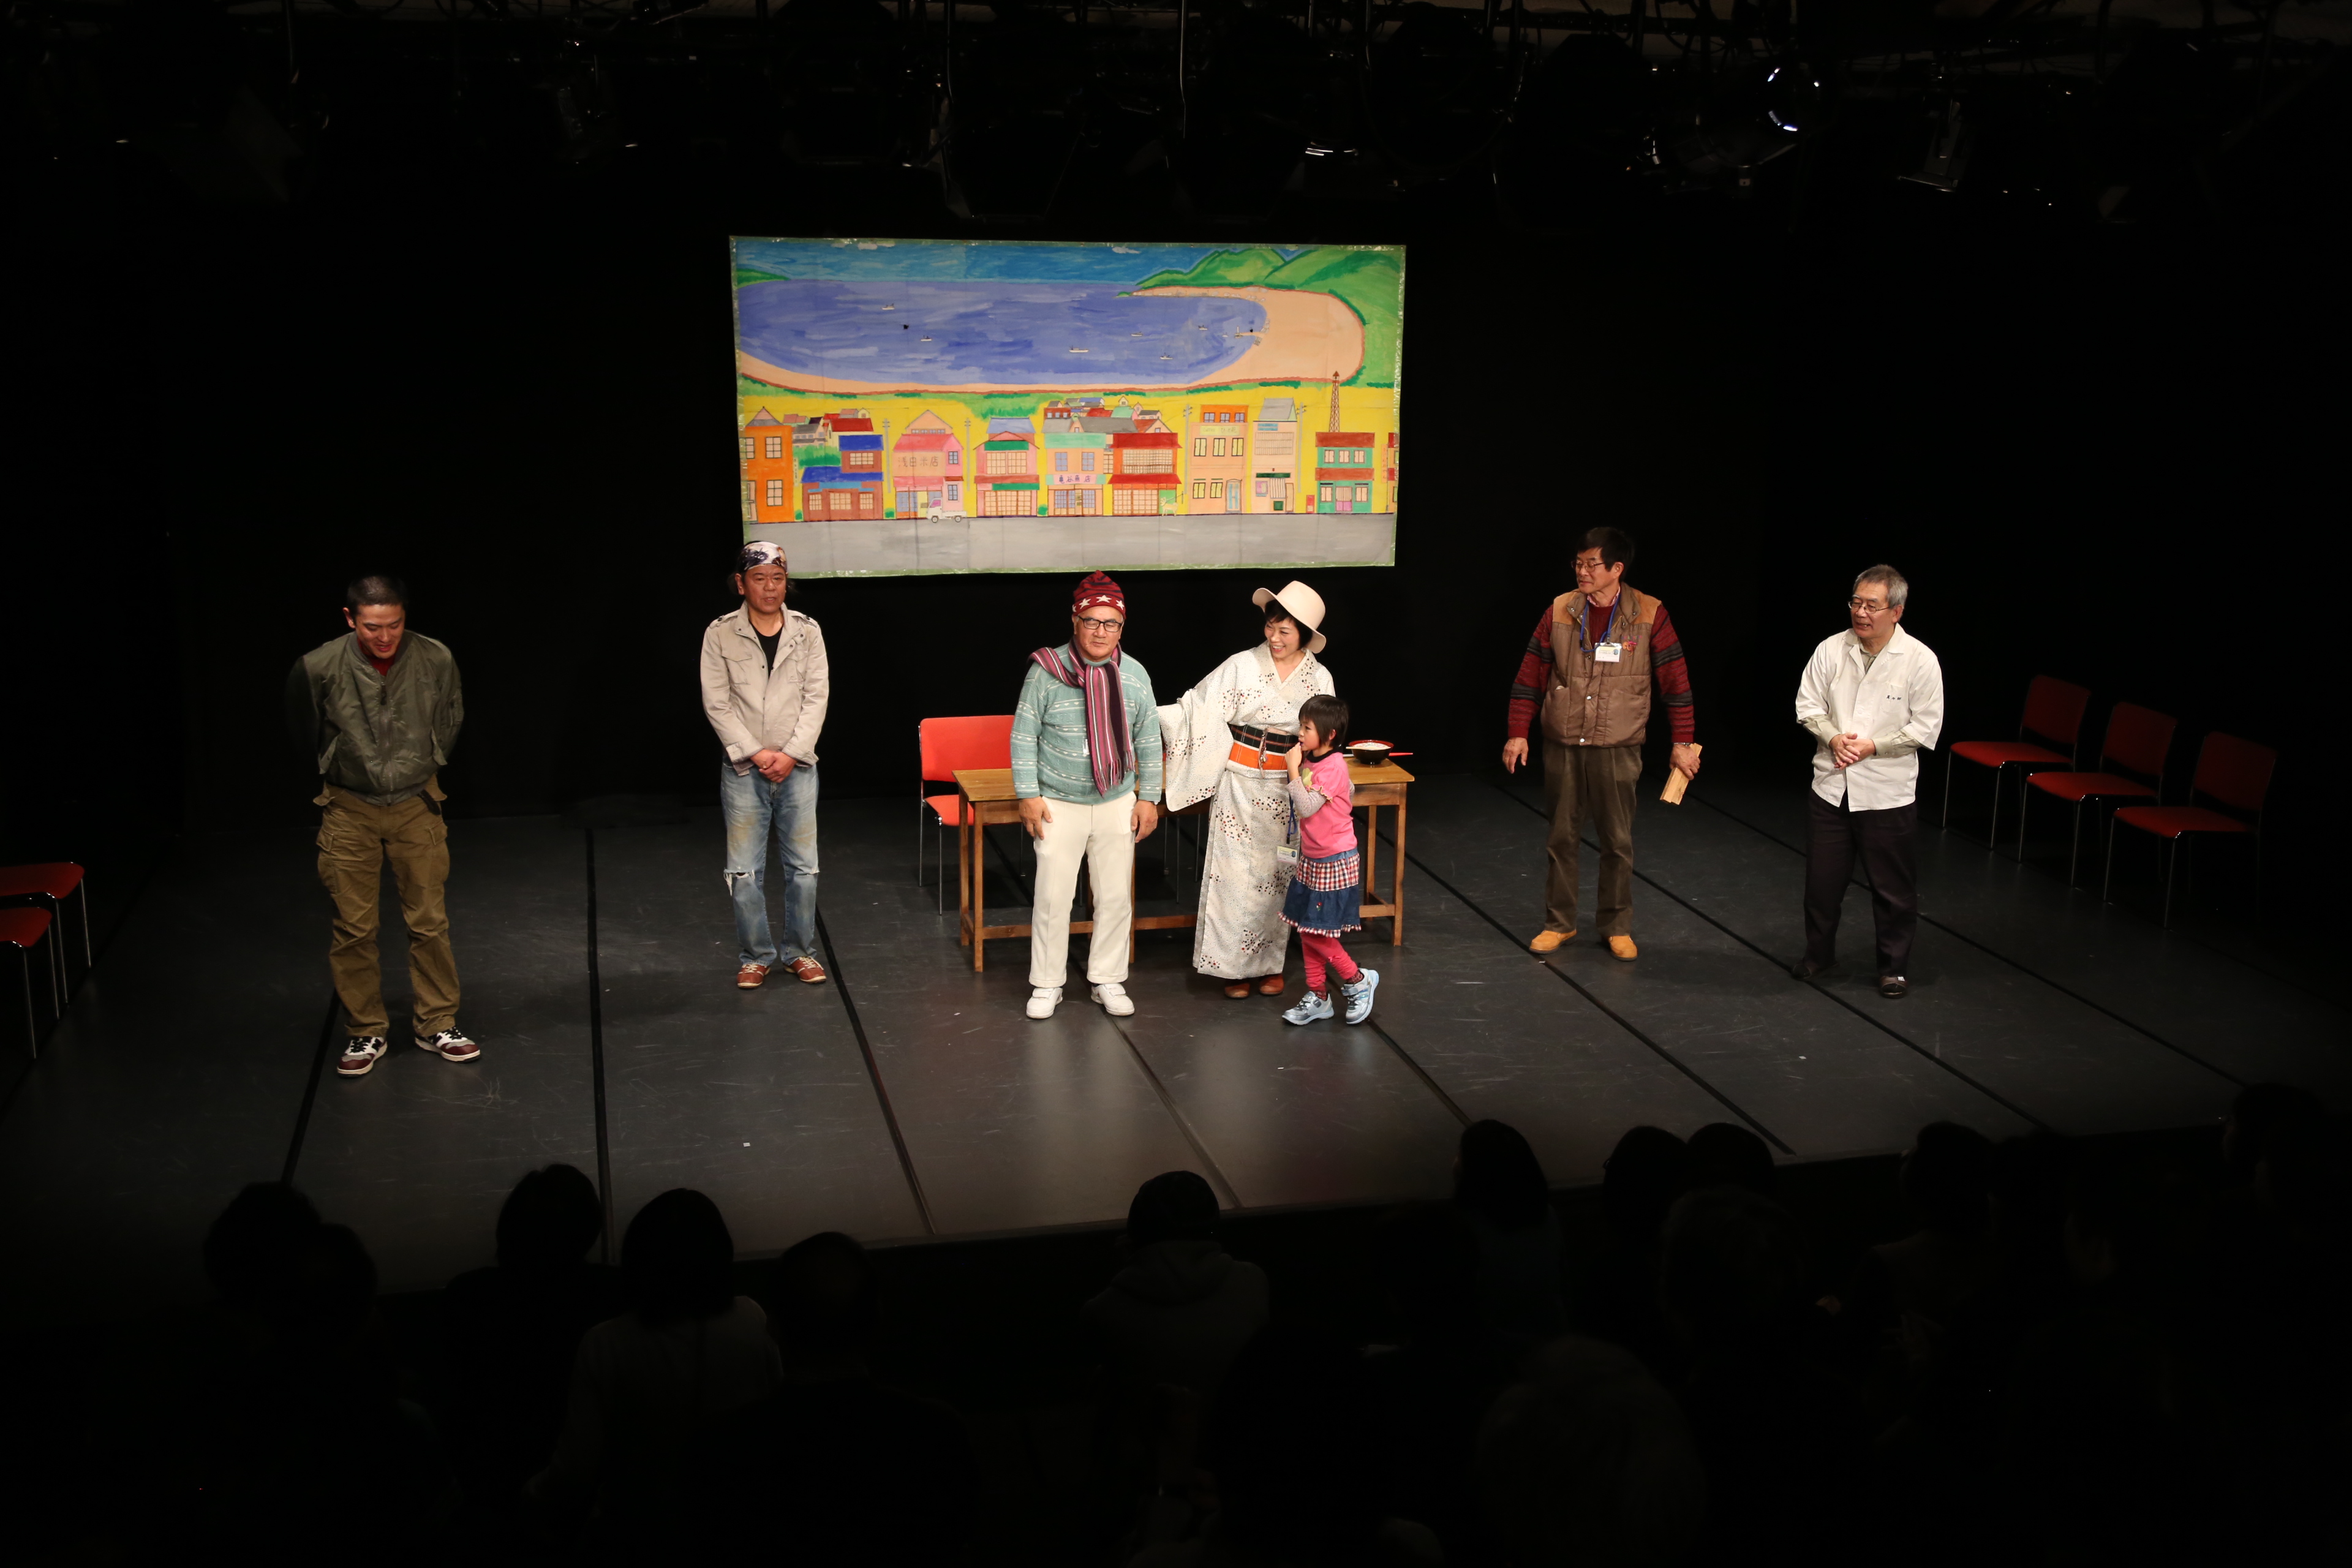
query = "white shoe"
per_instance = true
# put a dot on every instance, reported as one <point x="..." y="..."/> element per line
<point x="1043" y="999"/>
<point x="1114" y="999"/>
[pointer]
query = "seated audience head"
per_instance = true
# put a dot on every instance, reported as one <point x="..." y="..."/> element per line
<point x="2258" y="1116"/>
<point x="1590" y="1461"/>
<point x="1288" y="1442"/>
<point x="1498" y="1178"/>
<point x="1734" y="1265"/>
<point x="823" y="1294"/>
<point x="678" y="1259"/>
<point x="1639" y="1183"/>
<point x="1427" y="1258"/>
<point x="254" y="1249"/>
<point x="1725" y="1153"/>
<point x="1177" y="1205"/>
<point x="1948" y="1179"/>
<point x="2030" y="1176"/>
<point x="550" y="1220"/>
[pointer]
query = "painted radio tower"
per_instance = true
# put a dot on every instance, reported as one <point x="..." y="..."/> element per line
<point x="1334" y="425"/>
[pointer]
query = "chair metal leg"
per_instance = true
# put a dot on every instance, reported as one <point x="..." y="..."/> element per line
<point x="1949" y="758"/>
<point x="2107" y="881"/>
<point x="1992" y="833"/>
<point x="2171" y="863"/>
<point x="940" y="842"/>
<point x="25" y="975"/>
<point x="2024" y="801"/>
<point x="2074" y="855"/>
<point x="81" y="902"/>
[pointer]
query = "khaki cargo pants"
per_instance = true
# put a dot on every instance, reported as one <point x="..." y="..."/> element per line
<point x="354" y="840"/>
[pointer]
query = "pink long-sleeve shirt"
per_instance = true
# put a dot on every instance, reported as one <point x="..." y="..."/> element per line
<point x="1325" y="799"/>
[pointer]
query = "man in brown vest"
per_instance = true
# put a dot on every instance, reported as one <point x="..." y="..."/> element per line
<point x="1587" y="669"/>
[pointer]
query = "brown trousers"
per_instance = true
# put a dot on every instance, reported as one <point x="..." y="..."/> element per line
<point x="355" y="841"/>
<point x="1595" y="784"/>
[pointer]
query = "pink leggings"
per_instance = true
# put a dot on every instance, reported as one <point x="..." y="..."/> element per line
<point x="1320" y="951"/>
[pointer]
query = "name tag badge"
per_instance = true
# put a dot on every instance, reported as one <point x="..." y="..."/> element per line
<point x="1607" y="652"/>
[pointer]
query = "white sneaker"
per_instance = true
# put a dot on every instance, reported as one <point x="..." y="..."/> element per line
<point x="1042" y="1001"/>
<point x="360" y="1053"/>
<point x="1114" y="999"/>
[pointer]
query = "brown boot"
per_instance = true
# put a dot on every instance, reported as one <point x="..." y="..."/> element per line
<point x="1271" y="986"/>
<point x="1549" y="940"/>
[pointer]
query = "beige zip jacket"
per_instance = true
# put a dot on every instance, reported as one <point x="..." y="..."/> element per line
<point x="755" y="707"/>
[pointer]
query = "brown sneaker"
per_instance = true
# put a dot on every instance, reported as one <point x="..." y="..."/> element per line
<point x="807" y="970"/>
<point x="1549" y="940"/>
<point x="1270" y="986"/>
<point x="752" y="976"/>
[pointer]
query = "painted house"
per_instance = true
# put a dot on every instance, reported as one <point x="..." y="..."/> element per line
<point x="1344" y="470"/>
<point x="926" y="474"/>
<point x="1143" y="478"/>
<point x="1007" y="460"/>
<point x="1218" y="464"/>
<point x="1392" y="470"/>
<point x="1274" y="456"/>
<point x="1076" y="468"/>
<point x="841" y="469"/>
<point x="765" y="445"/>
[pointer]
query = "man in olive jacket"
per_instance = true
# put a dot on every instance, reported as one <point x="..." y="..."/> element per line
<point x="380" y="710"/>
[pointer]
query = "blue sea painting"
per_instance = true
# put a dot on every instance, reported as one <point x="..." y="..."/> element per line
<point x="965" y="333"/>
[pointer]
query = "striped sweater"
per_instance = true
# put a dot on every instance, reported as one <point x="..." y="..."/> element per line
<point x="1665" y="663"/>
<point x="1049" y="738"/>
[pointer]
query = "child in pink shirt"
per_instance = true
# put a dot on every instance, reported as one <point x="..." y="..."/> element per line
<point x="1326" y="894"/>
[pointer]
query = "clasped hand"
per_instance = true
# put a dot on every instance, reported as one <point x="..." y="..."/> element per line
<point x="1848" y="749"/>
<point x="774" y="766"/>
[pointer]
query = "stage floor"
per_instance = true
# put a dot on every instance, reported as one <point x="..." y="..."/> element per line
<point x="912" y="1099"/>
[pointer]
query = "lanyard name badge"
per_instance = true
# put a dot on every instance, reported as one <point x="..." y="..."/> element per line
<point x="1605" y="651"/>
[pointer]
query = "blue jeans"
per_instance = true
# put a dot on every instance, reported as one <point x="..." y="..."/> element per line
<point x="757" y="810"/>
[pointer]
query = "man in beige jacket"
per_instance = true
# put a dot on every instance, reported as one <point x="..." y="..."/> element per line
<point x="764" y="686"/>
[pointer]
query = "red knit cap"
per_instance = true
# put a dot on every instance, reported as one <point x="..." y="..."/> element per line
<point x="1098" y="589"/>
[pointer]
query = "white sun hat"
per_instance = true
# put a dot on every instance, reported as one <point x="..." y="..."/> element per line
<point x="1306" y="607"/>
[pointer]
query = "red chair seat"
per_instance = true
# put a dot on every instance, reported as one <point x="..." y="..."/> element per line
<point x="1999" y="753"/>
<point x="2079" y="787"/>
<point x="2172" y="821"/>
<point x="52" y="879"/>
<point x="948" y="809"/>
<point x="23" y="928"/>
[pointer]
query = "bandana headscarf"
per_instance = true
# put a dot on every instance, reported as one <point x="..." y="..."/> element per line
<point x="1109" y="747"/>
<point x="759" y="553"/>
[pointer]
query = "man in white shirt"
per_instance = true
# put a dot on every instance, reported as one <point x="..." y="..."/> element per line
<point x="1872" y="697"/>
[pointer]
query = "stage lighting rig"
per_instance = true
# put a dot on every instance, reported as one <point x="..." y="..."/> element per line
<point x="1735" y="117"/>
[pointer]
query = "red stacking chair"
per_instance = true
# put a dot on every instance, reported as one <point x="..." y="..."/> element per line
<point x="948" y="745"/>
<point x="2053" y="713"/>
<point x="2138" y="740"/>
<point x="2236" y="773"/>
<point x="51" y="884"/>
<point x="26" y="929"/>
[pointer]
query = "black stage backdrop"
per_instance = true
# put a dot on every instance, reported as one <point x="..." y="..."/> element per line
<point x="2094" y="453"/>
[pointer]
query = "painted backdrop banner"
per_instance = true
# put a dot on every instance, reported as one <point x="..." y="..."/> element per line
<point x="942" y="406"/>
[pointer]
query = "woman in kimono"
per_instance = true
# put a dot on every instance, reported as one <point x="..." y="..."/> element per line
<point x="1227" y="738"/>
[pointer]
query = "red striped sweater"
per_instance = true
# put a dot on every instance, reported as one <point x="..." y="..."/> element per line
<point x="1666" y="662"/>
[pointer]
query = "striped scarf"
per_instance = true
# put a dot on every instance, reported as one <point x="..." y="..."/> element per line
<point x="1109" y="746"/>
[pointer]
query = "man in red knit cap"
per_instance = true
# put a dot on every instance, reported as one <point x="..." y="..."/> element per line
<point x="1588" y="669"/>
<point x="1086" y="766"/>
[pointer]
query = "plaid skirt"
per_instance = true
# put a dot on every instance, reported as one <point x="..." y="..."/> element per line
<point x="1327" y="895"/>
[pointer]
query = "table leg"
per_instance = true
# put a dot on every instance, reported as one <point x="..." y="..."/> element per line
<point x="979" y="895"/>
<point x="1396" y="884"/>
<point x="1371" y="846"/>
<point x="963" y="876"/>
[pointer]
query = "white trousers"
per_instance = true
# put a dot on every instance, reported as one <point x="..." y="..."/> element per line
<point x="1103" y="837"/>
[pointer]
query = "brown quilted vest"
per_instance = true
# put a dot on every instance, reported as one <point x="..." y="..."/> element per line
<point x="1591" y="704"/>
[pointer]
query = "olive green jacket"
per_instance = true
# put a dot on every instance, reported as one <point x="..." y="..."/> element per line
<point x="381" y="737"/>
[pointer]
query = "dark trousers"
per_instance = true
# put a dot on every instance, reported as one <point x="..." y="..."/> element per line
<point x="1595" y="784"/>
<point x="1886" y="841"/>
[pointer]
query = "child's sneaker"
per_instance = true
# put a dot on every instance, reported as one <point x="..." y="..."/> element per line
<point x="1359" y="995"/>
<point x="1315" y="1005"/>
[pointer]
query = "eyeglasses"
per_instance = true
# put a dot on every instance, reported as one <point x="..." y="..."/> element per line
<point x="1866" y="608"/>
<point x="1095" y="624"/>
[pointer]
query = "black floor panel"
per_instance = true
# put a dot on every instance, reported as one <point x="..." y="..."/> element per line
<point x="2245" y="1024"/>
<point x="1817" y="1079"/>
<point x="418" y="1155"/>
<point x="759" y="1098"/>
<point x="175" y="1078"/>
<point x="1011" y="1123"/>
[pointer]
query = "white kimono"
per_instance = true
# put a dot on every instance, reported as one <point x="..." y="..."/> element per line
<point x="1241" y="934"/>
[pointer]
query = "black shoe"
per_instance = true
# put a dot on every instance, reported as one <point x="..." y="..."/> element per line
<point x="1805" y="969"/>
<point x="1894" y="987"/>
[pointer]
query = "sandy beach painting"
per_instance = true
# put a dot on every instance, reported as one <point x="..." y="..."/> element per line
<point x="937" y="405"/>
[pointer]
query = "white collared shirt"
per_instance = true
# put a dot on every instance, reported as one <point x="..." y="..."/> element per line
<point x="1900" y="692"/>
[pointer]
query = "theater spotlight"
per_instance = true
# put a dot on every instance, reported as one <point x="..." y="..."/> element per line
<point x="1947" y="156"/>
<point x="1742" y="117"/>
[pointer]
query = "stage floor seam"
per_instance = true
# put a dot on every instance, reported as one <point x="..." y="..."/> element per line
<point x="1889" y="1030"/>
<point x="2021" y="967"/>
<point x="874" y="1075"/>
<point x="1600" y="1006"/>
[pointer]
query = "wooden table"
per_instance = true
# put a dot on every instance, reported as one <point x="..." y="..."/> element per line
<point x="988" y="801"/>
